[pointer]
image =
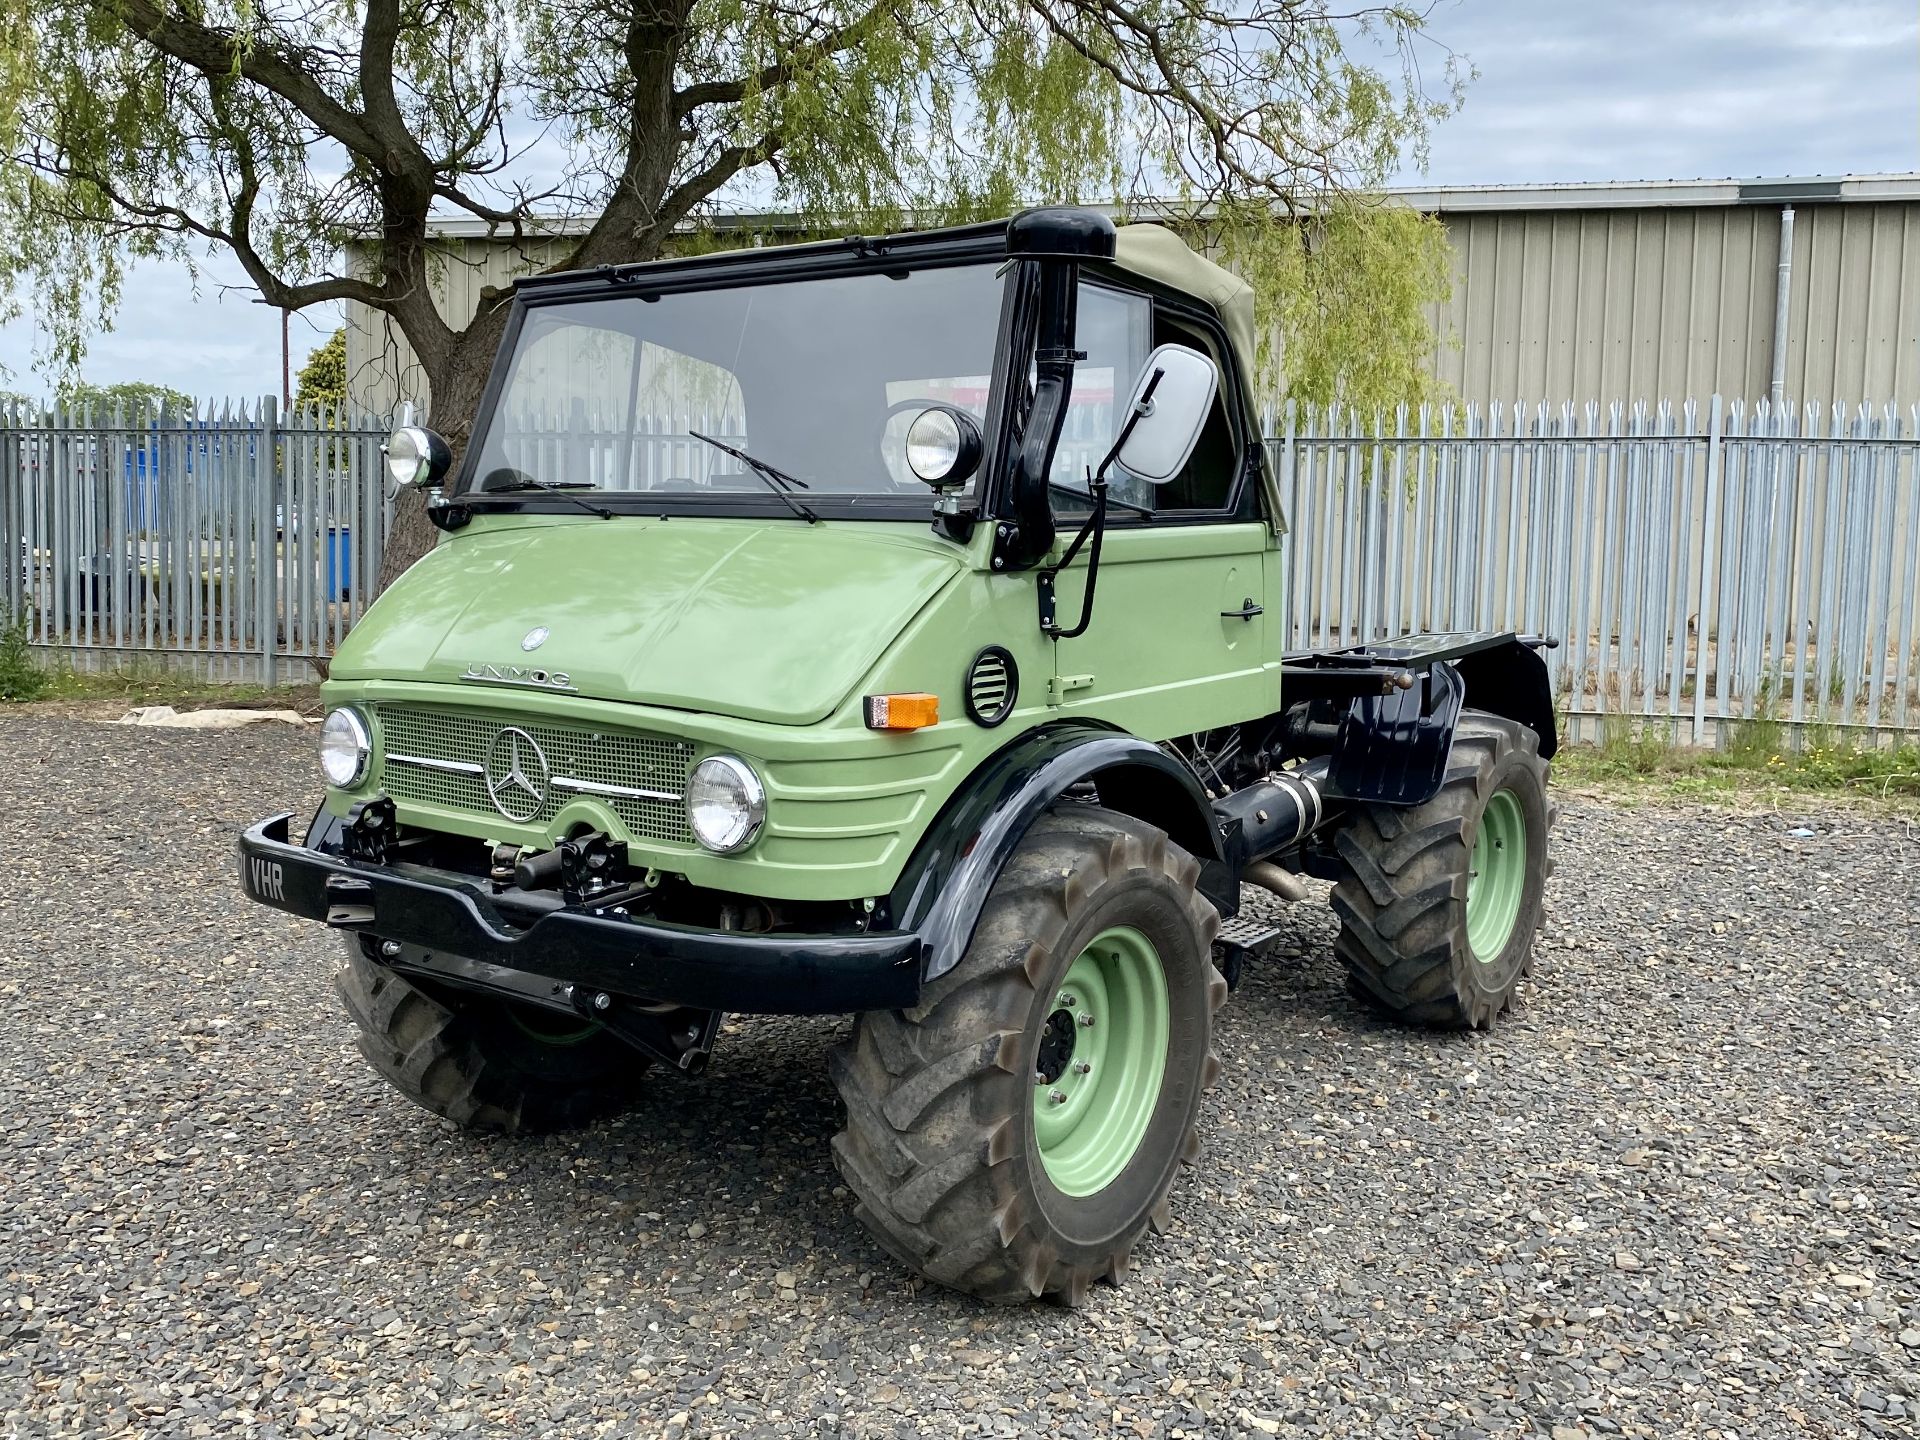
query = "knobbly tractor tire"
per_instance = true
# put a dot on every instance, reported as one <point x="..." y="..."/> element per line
<point x="1017" y="1133"/>
<point x="1441" y="903"/>
<point x="482" y="1062"/>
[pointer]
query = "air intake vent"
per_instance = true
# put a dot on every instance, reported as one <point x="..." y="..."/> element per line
<point x="993" y="684"/>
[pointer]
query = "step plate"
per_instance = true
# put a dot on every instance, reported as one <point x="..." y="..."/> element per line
<point x="1240" y="937"/>
<point x="1247" y="932"/>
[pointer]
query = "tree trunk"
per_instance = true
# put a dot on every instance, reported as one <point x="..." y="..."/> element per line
<point x="455" y="384"/>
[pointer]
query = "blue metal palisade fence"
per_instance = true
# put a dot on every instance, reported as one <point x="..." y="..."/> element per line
<point x="1699" y="564"/>
<point x="232" y="541"/>
<point x="1697" y="568"/>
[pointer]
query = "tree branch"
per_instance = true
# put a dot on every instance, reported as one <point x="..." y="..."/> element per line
<point x="171" y="219"/>
<point x="783" y="71"/>
<point x="401" y="156"/>
<point x="684" y="197"/>
<point x="214" y="52"/>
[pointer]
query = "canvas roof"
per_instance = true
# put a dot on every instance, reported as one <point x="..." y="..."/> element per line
<point x="1156" y="253"/>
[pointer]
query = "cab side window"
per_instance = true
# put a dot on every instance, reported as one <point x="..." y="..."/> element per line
<point x="1117" y="330"/>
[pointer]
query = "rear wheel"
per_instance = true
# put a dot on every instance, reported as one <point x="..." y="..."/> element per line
<point x="1018" y="1132"/>
<point x="1441" y="902"/>
<point x="482" y="1061"/>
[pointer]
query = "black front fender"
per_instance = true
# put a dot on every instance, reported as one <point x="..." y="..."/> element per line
<point x="945" y="884"/>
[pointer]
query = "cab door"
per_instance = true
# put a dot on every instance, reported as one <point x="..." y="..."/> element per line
<point x="1182" y="637"/>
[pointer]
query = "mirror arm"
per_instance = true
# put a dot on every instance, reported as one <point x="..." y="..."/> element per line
<point x="1142" y="408"/>
<point x="1096" y="526"/>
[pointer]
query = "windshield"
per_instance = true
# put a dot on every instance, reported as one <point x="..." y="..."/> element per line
<point x="819" y="378"/>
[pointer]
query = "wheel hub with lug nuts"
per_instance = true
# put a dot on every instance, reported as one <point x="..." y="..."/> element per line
<point x="1100" y="1061"/>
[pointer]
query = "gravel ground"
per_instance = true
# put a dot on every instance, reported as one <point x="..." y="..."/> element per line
<point x="1675" y="1196"/>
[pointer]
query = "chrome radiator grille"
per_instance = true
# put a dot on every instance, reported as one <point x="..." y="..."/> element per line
<point x="439" y="757"/>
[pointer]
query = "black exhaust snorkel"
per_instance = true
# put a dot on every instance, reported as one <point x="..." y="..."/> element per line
<point x="1050" y="243"/>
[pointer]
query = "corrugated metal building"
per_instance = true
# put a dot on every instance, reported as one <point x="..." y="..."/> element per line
<point x="1644" y="291"/>
<point x="1663" y="291"/>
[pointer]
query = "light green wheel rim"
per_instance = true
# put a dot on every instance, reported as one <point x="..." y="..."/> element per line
<point x="1497" y="878"/>
<point x="562" y="1032"/>
<point x="1101" y="1061"/>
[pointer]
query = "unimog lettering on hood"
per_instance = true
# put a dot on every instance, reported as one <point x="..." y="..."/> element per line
<point x="908" y="625"/>
<point x="518" y="675"/>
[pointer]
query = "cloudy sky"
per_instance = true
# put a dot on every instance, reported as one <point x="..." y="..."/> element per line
<point x="1566" y="90"/>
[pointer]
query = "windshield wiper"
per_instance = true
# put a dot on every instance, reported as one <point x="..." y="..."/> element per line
<point x="775" y="479"/>
<point x="560" y="488"/>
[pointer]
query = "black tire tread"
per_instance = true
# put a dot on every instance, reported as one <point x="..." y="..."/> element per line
<point x="926" y="1171"/>
<point x="1405" y="869"/>
<point x="430" y="1051"/>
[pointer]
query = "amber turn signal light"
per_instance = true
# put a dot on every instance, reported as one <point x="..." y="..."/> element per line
<point x="902" y="712"/>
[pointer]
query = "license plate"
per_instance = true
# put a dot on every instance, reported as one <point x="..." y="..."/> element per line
<point x="265" y="879"/>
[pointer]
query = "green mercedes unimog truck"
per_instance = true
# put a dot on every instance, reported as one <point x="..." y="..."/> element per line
<point x="891" y="628"/>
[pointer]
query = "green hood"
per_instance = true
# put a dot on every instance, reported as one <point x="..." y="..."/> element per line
<point x="762" y="620"/>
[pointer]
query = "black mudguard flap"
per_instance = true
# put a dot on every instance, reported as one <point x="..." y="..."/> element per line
<point x="1393" y="748"/>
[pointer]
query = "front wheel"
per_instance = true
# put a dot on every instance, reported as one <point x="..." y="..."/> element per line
<point x="1441" y="902"/>
<point x="1018" y="1132"/>
<point x="484" y="1062"/>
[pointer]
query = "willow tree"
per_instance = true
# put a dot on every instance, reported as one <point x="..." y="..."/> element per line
<point x="278" y="130"/>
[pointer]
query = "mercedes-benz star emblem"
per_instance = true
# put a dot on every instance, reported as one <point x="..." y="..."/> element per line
<point x="517" y="775"/>
<point x="536" y="637"/>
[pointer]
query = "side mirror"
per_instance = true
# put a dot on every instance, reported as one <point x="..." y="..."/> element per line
<point x="417" y="456"/>
<point x="1171" y="401"/>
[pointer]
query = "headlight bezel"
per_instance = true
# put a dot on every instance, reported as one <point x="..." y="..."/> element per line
<point x="950" y="447"/>
<point x="753" y="808"/>
<point x="361" y="737"/>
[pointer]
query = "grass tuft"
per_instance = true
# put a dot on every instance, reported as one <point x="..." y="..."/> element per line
<point x="21" y="677"/>
<point x="136" y="680"/>
<point x="1759" y="755"/>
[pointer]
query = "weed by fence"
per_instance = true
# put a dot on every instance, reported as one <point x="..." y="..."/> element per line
<point x="21" y="678"/>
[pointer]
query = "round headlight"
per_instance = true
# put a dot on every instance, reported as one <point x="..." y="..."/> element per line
<point x="408" y="454"/>
<point x="725" y="803"/>
<point x="344" y="748"/>
<point x="936" y="444"/>
<point x="416" y="456"/>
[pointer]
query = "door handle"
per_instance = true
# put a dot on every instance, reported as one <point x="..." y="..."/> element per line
<point x="1246" y="611"/>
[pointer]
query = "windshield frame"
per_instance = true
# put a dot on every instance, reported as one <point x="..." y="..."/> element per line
<point x="978" y="245"/>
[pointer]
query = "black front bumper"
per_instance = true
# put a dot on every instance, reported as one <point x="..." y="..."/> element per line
<point x="455" y="919"/>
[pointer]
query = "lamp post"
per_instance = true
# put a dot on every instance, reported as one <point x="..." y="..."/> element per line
<point x="286" y="359"/>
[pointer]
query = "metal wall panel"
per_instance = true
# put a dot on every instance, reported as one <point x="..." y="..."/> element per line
<point x="382" y="371"/>
<point x="1651" y="304"/>
<point x="1855" y="316"/>
<point x="1660" y="303"/>
<point x="1622" y="291"/>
